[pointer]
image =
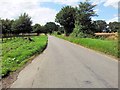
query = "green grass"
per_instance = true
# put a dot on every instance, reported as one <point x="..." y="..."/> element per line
<point x="16" y="52"/>
<point x="106" y="46"/>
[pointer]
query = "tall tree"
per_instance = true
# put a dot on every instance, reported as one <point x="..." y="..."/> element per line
<point x="60" y="30"/>
<point x="66" y="17"/>
<point x="6" y="26"/>
<point x="114" y="26"/>
<point x="22" y="25"/>
<point x="37" y="29"/>
<point x="85" y="11"/>
<point x="51" y="26"/>
<point x="100" y="25"/>
<point x="44" y="30"/>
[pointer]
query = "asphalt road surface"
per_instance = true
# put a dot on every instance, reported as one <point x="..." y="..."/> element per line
<point x="66" y="65"/>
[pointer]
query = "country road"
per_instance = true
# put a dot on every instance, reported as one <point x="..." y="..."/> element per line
<point x="66" y="65"/>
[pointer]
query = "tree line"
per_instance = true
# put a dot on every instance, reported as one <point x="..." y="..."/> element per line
<point x="74" y="21"/>
<point x="23" y="25"/>
<point x="77" y="20"/>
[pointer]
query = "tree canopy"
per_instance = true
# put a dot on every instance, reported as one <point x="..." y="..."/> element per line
<point x="6" y="26"/>
<point x="85" y="11"/>
<point x="66" y="18"/>
<point x="22" y="24"/>
<point x="100" y="25"/>
<point x="37" y="29"/>
<point x="50" y="27"/>
<point x="114" y="26"/>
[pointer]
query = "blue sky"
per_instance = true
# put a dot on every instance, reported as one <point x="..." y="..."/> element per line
<point x="42" y="11"/>
<point x="52" y="5"/>
<point x="106" y="12"/>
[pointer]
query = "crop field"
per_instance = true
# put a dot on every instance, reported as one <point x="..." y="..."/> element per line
<point x="108" y="36"/>
<point x="16" y="52"/>
<point x="109" y="47"/>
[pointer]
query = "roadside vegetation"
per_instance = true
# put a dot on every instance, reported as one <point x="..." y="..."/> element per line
<point x="81" y="29"/>
<point x="16" y="52"/>
<point x="77" y="21"/>
<point x="20" y="40"/>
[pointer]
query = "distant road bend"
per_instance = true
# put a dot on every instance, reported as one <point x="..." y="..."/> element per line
<point x="66" y="65"/>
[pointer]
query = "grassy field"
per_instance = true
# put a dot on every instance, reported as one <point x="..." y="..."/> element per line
<point x="15" y="52"/>
<point x="109" y="47"/>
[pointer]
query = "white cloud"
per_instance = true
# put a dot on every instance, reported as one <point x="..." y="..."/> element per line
<point x="113" y="3"/>
<point x="12" y="9"/>
<point x="107" y="21"/>
<point x="67" y="2"/>
<point x="95" y="19"/>
<point x="42" y="15"/>
<point x="97" y="1"/>
<point x="113" y="20"/>
<point x="38" y="14"/>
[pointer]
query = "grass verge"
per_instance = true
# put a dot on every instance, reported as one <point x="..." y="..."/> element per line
<point x="109" y="47"/>
<point x="15" y="52"/>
